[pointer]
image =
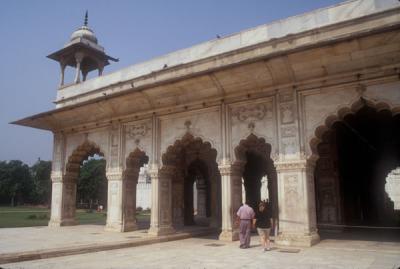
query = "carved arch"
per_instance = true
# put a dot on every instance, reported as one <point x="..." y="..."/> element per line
<point x="339" y="115"/>
<point x="255" y="144"/>
<point x="259" y="147"/>
<point x="80" y="154"/>
<point x="135" y="160"/>
<point x="187" y="143"/>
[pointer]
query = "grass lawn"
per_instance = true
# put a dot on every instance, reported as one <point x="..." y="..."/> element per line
<point x="11" y="217"/>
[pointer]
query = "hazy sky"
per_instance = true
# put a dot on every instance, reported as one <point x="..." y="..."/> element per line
<point x="133" y="31"/>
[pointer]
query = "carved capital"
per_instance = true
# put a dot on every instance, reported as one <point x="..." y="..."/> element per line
<point x="114" y="175"/>
<point x="230" y="169"/>
<point x="56" y="176"/>
<point x="291" y="165"/>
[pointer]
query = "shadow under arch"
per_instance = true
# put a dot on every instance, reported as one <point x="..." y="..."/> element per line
<point x="253" y="155"/>
<point x="191" y="160"/>
<point x="72" y="170"/>
<point x="354" y="149"/>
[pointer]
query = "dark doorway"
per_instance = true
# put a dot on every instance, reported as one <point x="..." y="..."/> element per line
<point x="356" y="156"/>
<point x="197" y="173"/>
<point x="254" y="170"/>
<point x="259" y="173"/>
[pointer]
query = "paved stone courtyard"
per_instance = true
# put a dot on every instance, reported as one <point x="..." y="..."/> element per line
<point x="207" y="252"/>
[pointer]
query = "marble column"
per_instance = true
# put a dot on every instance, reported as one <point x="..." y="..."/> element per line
<point x="264" y="188"/>
<point x="121" y="203"/>
<point x="177" y="200"/>
<point x="231" y="194"/>
<point x="63" y="201"/>
<point x="131" y="176"/>
<point x="297" y="213"/>
<point x="161" y="201"/>
<point x="214" y="203"/>
<point x="201" y="200"/>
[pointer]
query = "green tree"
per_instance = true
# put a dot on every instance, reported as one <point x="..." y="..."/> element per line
<point x="92" y="182"/>
<point x="15" y="182"/>
<point x="41" y="172"/>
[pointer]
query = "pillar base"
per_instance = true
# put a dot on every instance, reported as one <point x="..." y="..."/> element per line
<point x="64" y="222"/>
<point x="157" y="231"/>
<point x="297" y="239"/>
<point x="229" y="236"/>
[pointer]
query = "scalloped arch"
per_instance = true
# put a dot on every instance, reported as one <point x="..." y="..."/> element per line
<point x="254" y="143"/>
<point x="137" y="158"/>
<point x="172" y="152"/>
<point x="339" y="115"/>
<point x="82" y="152"/>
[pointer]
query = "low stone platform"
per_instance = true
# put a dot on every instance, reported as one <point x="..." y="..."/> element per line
<point x="32" y="243"/>
<point x="207" y="252"/>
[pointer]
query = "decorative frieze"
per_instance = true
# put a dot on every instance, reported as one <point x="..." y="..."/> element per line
<point x="287" y="112"/>
<point x="137" y="131"/>
<point x="252" y="113"/>
<point x="288" y="131"/>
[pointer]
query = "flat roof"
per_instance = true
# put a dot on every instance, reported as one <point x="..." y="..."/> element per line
<point x="315" y="19"/>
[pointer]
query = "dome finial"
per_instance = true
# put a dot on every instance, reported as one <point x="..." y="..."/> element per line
<point x="86" y="19"/>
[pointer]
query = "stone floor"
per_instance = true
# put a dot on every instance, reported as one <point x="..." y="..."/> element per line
<point x="207" y="252"/>
<point x="36" y="238"/>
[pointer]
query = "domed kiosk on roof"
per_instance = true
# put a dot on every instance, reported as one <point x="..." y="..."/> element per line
<point x="84" y="32"/>
<point x="83" y="53"/>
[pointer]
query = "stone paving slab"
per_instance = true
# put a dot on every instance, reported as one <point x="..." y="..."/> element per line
<point x="22" y="244"/>
<point x="209" y="253"/>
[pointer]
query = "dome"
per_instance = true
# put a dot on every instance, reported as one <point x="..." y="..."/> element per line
<point x="84" y="32"/>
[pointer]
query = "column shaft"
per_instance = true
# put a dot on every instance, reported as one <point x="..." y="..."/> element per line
<point x="161" y="211"/>
<point x="63" y="199"/>
<point x="297" y="214"/>
<point x="231" y="192"/>
<point x="121" y="208"/>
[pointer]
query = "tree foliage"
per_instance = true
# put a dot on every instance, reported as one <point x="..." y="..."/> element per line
<point x="16" y="183"/>
<point x="41" y="172"/>
<point x="21" y="184"/>
<point x="92" y="182"/>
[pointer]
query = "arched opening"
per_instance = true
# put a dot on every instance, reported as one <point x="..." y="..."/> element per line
<point x="356" y="153"/>
<point x="197" y="194"/>
<point x="195" y="183"/>
<point x="87" y="188"/>
<point x="135" y="163"/>
<point x="259" y="175"/>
